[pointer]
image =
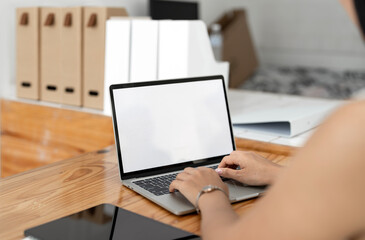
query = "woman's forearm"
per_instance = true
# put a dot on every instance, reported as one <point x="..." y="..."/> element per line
<point x="217" y="215"/>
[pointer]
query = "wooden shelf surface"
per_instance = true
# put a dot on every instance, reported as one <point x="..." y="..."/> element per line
<point x="34" y="135"/>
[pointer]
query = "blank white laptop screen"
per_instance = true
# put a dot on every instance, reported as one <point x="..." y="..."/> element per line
<point x="165" y="124"/>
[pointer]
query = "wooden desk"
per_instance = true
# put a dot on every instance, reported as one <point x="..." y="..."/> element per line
<point x="68" y="186"/>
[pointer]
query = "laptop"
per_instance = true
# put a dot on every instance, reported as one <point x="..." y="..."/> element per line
<point x="162" y="127"/>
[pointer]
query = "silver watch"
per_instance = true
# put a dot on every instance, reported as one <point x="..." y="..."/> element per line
<point x="207" y="189"/>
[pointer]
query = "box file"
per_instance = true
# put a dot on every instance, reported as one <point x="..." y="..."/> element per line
<point x="185" y="51"/>
<point x="71" y="56"/>
<point x="173" y="49"/>
<point x="117" y="55"/>
<point x="27" y="52"/>
<point x="144" y="50"/>
<point x="94" y="53"/>
<point x="51" y="54"/>
<point x="144" y="47"/>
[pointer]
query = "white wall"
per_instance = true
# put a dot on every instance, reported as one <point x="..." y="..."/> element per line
<point x="285" y="32"/>
<point x="298" y="32"/>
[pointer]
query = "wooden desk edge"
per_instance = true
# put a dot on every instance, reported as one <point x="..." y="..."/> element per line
<point x="253" y="145"/>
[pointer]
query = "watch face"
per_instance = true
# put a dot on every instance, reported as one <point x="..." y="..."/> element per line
<point x="208" y="188"/>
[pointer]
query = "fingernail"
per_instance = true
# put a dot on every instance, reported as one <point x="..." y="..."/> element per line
<point x="219" y="171"/>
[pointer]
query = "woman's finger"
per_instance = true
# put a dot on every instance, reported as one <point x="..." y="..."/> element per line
<point x="229" y="161"/>
<point x="182" y="176"/>
<point x="231" y="173"/>
<point x="175" y="185"/>
<point x="189" y="170"/>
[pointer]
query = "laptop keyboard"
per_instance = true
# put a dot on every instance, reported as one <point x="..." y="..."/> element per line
<point x="160" y="185"/>
<point x="157" y="185"/>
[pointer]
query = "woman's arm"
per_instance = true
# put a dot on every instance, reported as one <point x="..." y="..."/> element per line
<point x="216" y="210"/>
<point x="321" y="195"/>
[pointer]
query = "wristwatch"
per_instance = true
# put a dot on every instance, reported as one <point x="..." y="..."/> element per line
<point x="207" y="189"/>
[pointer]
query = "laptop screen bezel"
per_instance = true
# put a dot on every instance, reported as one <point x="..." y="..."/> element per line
<point x="173" y="167"/>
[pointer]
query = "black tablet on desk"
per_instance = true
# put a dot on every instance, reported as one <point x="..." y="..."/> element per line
<point x="106" y="222"/>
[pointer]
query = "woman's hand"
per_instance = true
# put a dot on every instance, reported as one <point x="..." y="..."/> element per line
<point x="192" y="180"/>
<point x="255" y="169"/>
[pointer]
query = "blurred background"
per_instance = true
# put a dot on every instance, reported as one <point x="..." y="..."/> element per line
<point x="296" y="42"/>
<point x="303" y="47"/>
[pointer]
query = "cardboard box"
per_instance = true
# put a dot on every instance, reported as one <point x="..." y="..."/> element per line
<point x="27" y="52"/>
<point x="71" y="56"/>
<point x="94" y="53"/>
<point x="51" y="23"/>
<point x="238" y="48"/>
